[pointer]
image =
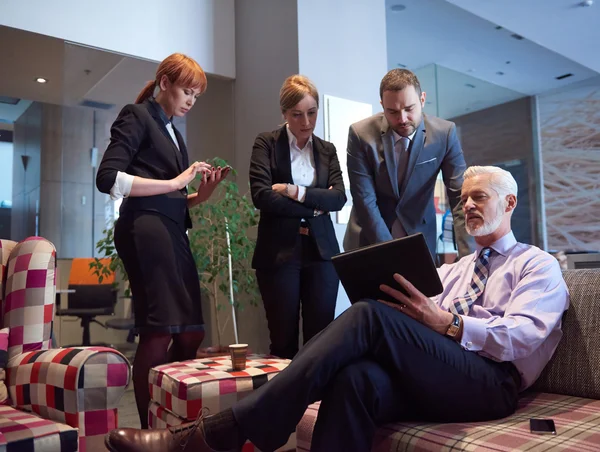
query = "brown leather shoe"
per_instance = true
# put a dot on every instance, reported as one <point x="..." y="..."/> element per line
<point x="187" y="437"/>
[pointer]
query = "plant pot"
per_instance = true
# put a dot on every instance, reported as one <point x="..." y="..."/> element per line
<point x="214" y="351"/>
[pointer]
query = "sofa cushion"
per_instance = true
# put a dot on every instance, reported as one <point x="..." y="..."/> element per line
<point x="184" y="388"/>
<point x="575" y="367"/>
<point x="26" y="432"/>
<point x="577" y="425"/>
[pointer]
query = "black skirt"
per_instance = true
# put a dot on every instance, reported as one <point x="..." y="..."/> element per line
<point x="164" y="282"/>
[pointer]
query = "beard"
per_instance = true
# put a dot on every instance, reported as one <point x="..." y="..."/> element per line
<point x="407" y="129"/>
<point x="488" y="226"/>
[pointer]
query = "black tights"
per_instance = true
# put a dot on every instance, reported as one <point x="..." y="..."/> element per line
<point x="153" y="350"/>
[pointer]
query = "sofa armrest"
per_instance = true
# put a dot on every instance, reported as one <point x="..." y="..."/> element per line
<point x="78" y="386"/>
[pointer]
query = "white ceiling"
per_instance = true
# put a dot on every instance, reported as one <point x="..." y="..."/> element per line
<point x="456" y="38"/>
<point x="563" y="26"/>
<point x="75" y="73"/>
<point x="470" y="50"/>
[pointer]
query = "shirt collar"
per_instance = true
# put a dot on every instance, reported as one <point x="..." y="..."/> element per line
<point x="501" y="246"/>
<point x="397" y="136"/>
<point x="161" y="113"/>
<point x="292" y="138"/>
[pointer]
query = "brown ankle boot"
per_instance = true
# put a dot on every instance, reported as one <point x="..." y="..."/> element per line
<point x="187" y="437"/>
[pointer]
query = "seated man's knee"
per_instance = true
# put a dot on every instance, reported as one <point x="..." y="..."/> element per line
<point x="361" y="307"/>
<point x="366" y="307"/>
<point x="354" y="377"/>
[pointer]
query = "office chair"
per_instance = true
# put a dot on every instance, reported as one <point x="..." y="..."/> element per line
<point x="89" y="298"/>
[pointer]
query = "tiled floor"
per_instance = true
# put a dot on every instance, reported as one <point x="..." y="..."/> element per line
<point x="128" y="415"/>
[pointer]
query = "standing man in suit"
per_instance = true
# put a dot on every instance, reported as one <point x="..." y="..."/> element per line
<point x="296" y="180"/>
<point x="394" y="158"/>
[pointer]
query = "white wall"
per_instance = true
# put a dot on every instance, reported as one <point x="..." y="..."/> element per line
<point x="6" y="164"/>
<point x="266" y="53"/>
<point x="342" y="49"/>
<point x="152" y="29"/>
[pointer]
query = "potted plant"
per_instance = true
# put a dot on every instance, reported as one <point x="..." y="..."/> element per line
<point x="222" y="244"/>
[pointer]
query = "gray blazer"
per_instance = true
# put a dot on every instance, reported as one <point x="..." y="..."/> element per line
<point x="377" y="200"/>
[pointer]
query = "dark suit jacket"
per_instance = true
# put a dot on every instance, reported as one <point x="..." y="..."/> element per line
<point x="140" y="145"/>
<point x="377" y="199"/>
<point x="280" y="216"/>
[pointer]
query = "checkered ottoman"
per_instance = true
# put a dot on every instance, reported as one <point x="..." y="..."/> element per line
<point x="180" y="390"/>
<point x="21" y="431"/>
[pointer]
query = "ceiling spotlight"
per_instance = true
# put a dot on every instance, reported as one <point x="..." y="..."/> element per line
<point x="397" y="8"/>
<point x="587" y="3"/>
<point x="41" y="80"/>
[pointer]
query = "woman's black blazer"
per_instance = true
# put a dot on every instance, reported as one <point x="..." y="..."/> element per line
<point x="141" y="145"/>
<point x="280" y="217"/>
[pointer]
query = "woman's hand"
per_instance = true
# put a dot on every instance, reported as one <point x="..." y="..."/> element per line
<point x="209" y="183"/>
<point x="189" y="174"/>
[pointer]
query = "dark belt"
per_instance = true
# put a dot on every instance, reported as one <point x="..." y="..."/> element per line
<point x="304" y="229"/>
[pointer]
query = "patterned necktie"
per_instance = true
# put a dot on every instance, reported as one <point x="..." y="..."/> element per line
<point x="461" y="305"/>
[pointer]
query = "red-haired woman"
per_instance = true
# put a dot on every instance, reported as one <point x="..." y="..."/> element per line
<point x="146" y="163"/>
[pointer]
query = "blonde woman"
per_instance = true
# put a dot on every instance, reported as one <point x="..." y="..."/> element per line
<point x="296" y="181"/>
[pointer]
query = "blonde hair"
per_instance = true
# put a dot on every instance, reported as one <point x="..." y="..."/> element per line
<point x="500" y="180"/>
<point x="293" y="91"/>
<point x="179" y="69"/>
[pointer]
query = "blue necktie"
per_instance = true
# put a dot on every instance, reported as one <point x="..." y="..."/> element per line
<point x="461" y="305"/>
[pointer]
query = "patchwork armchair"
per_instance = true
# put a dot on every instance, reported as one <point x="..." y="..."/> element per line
<point x="61" y="399"/>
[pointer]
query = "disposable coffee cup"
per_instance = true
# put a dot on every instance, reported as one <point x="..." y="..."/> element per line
<point x="238" y="356"/>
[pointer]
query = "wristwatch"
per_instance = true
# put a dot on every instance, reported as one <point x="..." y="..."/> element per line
<point x="454" y="327"/>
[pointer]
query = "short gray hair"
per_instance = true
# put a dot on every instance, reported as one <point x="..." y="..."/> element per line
<point x="500" y="180"/>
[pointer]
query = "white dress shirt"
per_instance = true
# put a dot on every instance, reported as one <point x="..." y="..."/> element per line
<point x="124" y="181"/>
<point x="304" y="173"/>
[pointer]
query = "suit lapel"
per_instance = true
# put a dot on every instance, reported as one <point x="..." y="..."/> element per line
<point x="283" y="160"/>
<point x="415" y="150"/>
<point x="387" y="137"/>
<point x="320" y="164"/>
<point x="160" y="123"/>
<point x="185" y="160"/>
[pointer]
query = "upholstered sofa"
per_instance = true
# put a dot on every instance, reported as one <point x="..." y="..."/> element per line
<point x="59" y="399"/>
<point x="568" y="391"/>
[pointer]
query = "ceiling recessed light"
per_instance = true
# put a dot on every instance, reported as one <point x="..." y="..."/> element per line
<point x="587" y="3"/>
<point x="469" y="85"/>
<point x="401" y="65"/>
<point x="41" y="80"/>
<point x="499" y="73"/>
<point x="397" y="8"/>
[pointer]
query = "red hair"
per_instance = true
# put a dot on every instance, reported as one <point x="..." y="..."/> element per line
<point x="179" y="69"/>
